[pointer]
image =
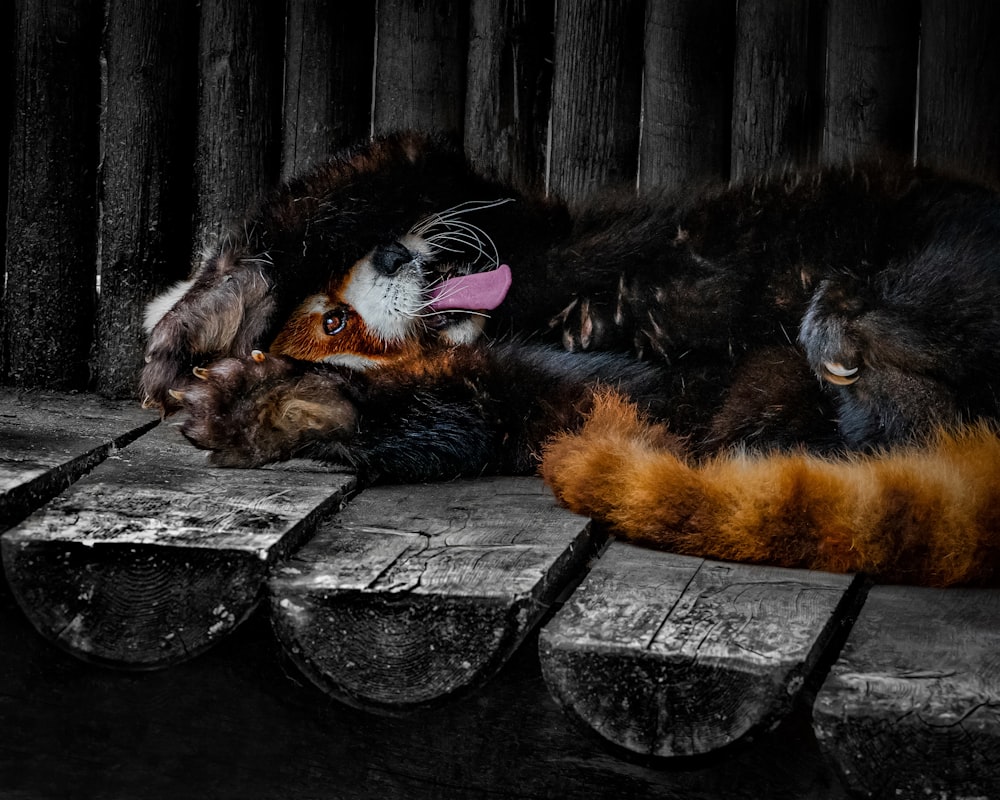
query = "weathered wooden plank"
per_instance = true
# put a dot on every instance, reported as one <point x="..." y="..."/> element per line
<point x="51" y="264"/>
<point x="508" y="89"/>
<point x="669" y="655"/>
<point x="416" y="592"/>
<point x="239" y="109"/>
<point x="49" y="440"/>
<point x="237" y="723"/>
<point x="155" y="555"/>
<point x="687" y="97"/>
<point x="145" y="185"/>
<point x="596" y="97"/>
<point x="871" y="77"/>
<point x="959" y="118"/>
<point x="912" y="707"/>
<point x="420" y="65"/>
<point x="771" y="89"/>
<point x="329" y="52"/>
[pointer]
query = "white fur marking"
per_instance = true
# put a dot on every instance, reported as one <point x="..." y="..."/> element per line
<point x="158" y="307"/>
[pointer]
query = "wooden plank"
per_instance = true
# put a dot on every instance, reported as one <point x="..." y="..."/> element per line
<point x="238" y="147"/>
<point x="237" y="723"/>
<point x="871" y="78"/>
<point x="420" y="66"/>
<point x="48" y="440"/>
<point x="509" y="89"/>
<point x="912" y="707"/>
<point x="667" y="655"/>
<point x="51" y="264"/>
<point x="596" y="97"/>
<point x="155" y="555"/>
<point x="687" y="98"/>
<point x="145" y="183"/>
<point x="330" y="50"/>
<point x="414" y="593"/>
<point x="771" y="89"/>
<point x="959" y="119"/>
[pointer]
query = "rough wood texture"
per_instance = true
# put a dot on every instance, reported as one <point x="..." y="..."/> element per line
<point x="49" y="440"/>
<point x="871" y="77"/>
<point x="236" y="724"/>
<point x="912" y="707"/>
<point x="771" y="91"/>
<point x="959" y="122"/>
<point x="48" y="306"/>
<point x="416" y="592"/>
<point x="509" y="89"/>
<point x="145" y="176"/>
<point x="154" y="556"/>
<point x="687" y="98"/>
<point x="420" y="66"/>
<point x="329" y="51"/>
<point x="669" y="655"/>
<point x="238" y="146"/>
<point x="596" y="97"/>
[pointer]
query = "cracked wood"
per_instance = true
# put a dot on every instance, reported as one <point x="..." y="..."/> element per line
<point x="48" y="440"/>
<point x="911" y="709"/>
<point x="414" y="593"/>
<point x="670" y="655"/>
<point x="156" y="555"/>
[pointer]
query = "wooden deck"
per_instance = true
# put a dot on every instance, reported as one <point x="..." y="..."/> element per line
<point x="284" y="632"/>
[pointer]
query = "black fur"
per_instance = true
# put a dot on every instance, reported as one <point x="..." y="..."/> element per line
<point x="737" y="297"/>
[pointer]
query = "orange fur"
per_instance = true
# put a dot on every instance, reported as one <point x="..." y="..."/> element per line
<point x="928" y="514"/>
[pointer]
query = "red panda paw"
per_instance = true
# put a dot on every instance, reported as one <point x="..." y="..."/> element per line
<point x="265" y="408"/>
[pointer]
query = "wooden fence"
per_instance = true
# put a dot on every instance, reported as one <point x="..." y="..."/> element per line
<point x="142" y="126"/>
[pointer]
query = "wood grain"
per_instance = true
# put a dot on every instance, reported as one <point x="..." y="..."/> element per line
<point x="329" y="52"/>
<point x="912" y="707"/>
<point x="414" y="593"/>
<point x="596" y="97"/>
<point x="50" y="272"/>
<point x="687" y="93"/>
<point x="145" y="187"/>
<point x="871" y="78"/>
<point x="509" y="88"/>
<point x="48" y="440"/>
<point x="420" y="65"/>
<point x="959" y="118"/>
<point x="668" y="655"/>
<point x="155" y="555"/>
<point x="772" y="89"/>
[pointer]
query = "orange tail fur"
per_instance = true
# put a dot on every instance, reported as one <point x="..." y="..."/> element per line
<point x="928" y="515"/>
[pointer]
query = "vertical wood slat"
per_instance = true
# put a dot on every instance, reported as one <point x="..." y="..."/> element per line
<point x="959" y="117"/>
<point x="596" y="96"/>
<point x="687" y="97"/>
<point x="48" y="311"/>
<point x="871" y="79"/>
<point x="145" y="177"/>
<point x="329" y="52"/>
<point x="771" y="85"/>
<point x="238" y="148"/>
<point x="420" y="66"/>
<point x="509" y="89"/>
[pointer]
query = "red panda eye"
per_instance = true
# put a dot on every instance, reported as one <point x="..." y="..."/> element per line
<point x="334" y="321"/>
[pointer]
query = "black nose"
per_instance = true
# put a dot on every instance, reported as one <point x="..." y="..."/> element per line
<point x="390" y="258"/>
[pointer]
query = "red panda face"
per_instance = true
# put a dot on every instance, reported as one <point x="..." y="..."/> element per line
<point x="435" y="284"/>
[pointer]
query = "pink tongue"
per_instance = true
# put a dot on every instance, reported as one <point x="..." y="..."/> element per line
<point x="480" y="291"/>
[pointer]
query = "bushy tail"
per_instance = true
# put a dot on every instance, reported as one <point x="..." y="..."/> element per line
<point x="928" y="514"/>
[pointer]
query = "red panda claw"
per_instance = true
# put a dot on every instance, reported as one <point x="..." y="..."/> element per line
<point x="177" y="395"/>
<point x="257" y="356"/>
<point x="200" y="373"/>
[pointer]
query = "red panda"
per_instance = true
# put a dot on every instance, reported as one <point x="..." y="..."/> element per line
<point x="365" y="315"/>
